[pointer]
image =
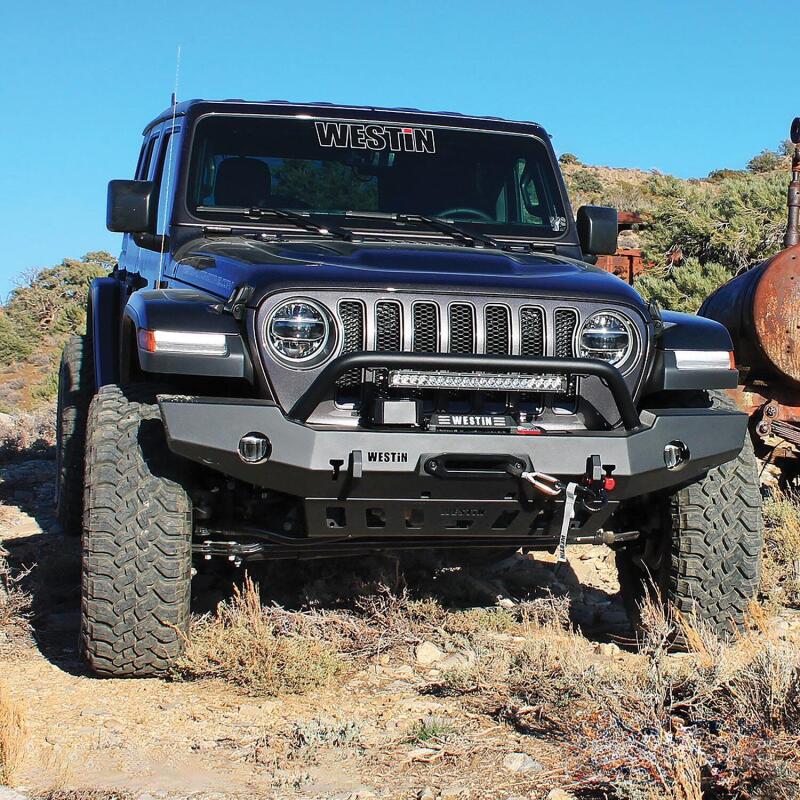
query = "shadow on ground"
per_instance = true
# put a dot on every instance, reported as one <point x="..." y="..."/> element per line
<point x="34" y="540"/>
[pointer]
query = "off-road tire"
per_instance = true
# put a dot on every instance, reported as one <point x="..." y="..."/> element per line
<point x="75" y="390"/>
<point x="705" y="560"/>
<point x="136" y="571"/>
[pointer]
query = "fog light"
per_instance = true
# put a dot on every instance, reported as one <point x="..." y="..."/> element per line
<point x="675" y="454"/>
<point x="254" y="447"/>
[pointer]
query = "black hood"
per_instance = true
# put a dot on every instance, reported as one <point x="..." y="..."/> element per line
<point x="220" y="265"/>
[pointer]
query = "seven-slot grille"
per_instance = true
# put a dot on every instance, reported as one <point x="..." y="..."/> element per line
<point x="453" y="328"/>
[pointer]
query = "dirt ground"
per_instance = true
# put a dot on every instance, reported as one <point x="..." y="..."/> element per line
<point x="171" y="738"/>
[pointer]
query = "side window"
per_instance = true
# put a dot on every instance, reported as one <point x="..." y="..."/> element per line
<point x="145" y="159"/>
<point x="165" y="179"/>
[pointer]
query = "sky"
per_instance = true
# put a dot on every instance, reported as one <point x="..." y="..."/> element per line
<point x="684" y="86"/>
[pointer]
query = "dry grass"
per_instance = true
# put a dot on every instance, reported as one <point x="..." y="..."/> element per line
<point x="32" y="434"/>
<point x="660" y="725"/>
<point x="12" y="738"/>
<point x="250" y="646"/>
<point x="15" y="605"/>
<point x="719" y="721"/>
<point x="781" y="569"/>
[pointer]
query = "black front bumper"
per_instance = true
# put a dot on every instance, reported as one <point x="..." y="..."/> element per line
<point x="378" y="483"/>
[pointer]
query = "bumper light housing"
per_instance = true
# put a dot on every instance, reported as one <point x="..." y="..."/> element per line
<point x="478" y="381"/>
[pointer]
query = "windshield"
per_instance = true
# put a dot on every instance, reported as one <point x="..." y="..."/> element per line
<point x="504" y="182"/>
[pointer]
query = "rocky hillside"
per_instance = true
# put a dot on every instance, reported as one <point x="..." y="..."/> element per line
<point x="698" y="233"/>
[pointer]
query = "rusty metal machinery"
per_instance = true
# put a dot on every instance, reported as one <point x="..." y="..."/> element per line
<point x="761" y="309"/>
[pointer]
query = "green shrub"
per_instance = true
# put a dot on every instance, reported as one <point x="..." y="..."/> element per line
<point x="767" y="161"/>
<point x="737" y="222"/>
<point x="683" y="287"/>
<point x="45" y="307"/>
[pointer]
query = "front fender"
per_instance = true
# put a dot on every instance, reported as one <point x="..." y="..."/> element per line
<point x="187" y="311"/>
<point x="682" y="332"/>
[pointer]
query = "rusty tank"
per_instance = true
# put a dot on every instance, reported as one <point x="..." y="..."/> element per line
<point x="761" y="309"/>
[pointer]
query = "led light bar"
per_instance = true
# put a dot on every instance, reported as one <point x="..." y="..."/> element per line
<point x="485" y="381"/>
<point x="704" y="359"/>
<point x="198" y="344"/>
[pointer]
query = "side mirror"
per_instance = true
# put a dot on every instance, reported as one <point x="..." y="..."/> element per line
<point x="795" y="132"/>
<point x="131" y="206"/>
<point x="598" y="230"/>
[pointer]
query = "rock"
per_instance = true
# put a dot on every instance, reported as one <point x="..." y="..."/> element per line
<point x="505" y="602"/>
<point x="456" y="791"/>
<point x="559" y="794"/>
<point x="421" y="754"/>
<point x="521" y="762"/>
<point x="10" y="794"/>
<point x="607" y="649"/>
<point x="95" y="712"/>
<point x="453" y="661"/>
<point x="427" y="794"/>
<point x="428" y="653"/>
<point x="359" y="793"/>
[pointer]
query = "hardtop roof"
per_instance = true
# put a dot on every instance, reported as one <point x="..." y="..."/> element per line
<point x="286" y="107"/>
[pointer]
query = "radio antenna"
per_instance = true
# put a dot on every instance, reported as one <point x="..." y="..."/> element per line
<point x="792" y="236"/>
<point x="170" y="150"/>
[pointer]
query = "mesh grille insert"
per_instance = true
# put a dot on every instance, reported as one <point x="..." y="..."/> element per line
<point x="566" y="321"/>
<point x="498" y="330"/>
<point x="388" y="332"/>
<point x="531" y="332"/>
<point x="351" y="313"/>
<point x="462" y="328"/>
<point x="426" y="328"/>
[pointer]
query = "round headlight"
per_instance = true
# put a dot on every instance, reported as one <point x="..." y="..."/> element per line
<point x="298" y="331"/>
<point x="606" y="336"/>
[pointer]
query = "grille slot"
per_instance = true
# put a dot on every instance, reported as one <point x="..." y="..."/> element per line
<point x="498" y="330"/>
<point x="426" y="328"/>
<point x="565" y="322"/>
<point x="351" y="313"/>
<point x="388" y="329"/>
<point x="462" y="328"/>
<point x="531" y="321"/>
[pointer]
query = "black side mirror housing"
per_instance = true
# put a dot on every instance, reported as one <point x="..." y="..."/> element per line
<point x="131" y="206"/>
<point x="598" y="230"/>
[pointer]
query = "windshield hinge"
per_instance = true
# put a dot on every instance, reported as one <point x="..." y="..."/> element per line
<point x="237" y="302"/>
<point x="216" y="230"/>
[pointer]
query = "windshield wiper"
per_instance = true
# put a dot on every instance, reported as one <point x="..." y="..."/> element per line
<point x="469" y="238"/>
<point x="305" y="221"/>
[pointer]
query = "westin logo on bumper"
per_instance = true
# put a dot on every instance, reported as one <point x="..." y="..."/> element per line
<point x="375" y="137"/>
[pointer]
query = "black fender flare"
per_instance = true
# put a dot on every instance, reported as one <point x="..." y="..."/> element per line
<point x="689" y="332"/>
<point x="103" y="325"/>
<point x="185" y="310"/>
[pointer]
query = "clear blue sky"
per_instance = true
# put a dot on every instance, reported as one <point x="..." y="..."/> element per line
<point x="684" y="86"/>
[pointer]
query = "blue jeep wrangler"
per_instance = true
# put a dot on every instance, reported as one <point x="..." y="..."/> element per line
<point x="335" y="330"/>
